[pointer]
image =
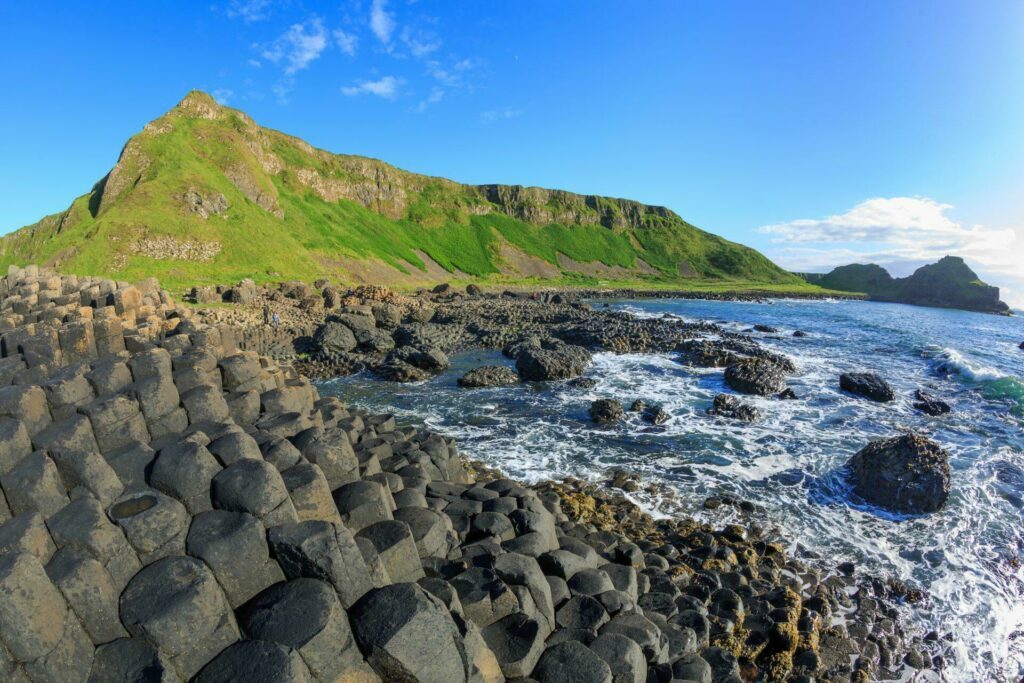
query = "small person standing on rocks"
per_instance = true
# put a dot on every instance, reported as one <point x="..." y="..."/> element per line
<point x="266" y="314"/>
<point x="276" y="320"/>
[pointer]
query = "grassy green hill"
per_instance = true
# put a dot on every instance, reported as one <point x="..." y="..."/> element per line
<point x="203" y="194"/>
<point x="947" y="283"/>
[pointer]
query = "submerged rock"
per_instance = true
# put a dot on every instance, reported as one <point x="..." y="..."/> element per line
<point x="930" y="405"/>
<point x="489" y="376"/>
<point x="606" y="411"/>
<point x="583" y="383"/>
<point x="867" y="384"/>
<point x="768" y="329"/>
<point x="758" y="376"/>
<point x="730" y="406"/>
<point x="907" y="474"/>
<point x="655" y="415"/>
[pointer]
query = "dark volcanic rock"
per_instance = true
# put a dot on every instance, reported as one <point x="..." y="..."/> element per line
<point x="334" y="337"/>
<point x="583" y="383"/>
<point x="730" y="406"/>
<point x="489" y="376"/>
<point x="560" y="361"/>
<point x="930" y="405"/>
<point x="407" y="634"/>
<point x="655" y="415"/>
<point x="606" y="411"/>
<point x="867" y="384"/>
<point x="758" y="376"/>
<point x="907" y="474"/>
<point x="768" y="329"/>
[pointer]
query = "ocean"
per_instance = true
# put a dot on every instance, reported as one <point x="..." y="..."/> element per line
<point x="967" y="557"/>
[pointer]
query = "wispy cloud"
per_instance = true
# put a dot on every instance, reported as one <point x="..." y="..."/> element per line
<point x="420" y="43"/>
<point x="297" y="47"/>
<point x="222" y="95"/>
<point x="500" y="114"/>
<point x="382" y="22"/>
<point x="452" y="75"/>
<point x="435" y="96"/>
<point x="346" y="42"/>
<point x="386" y="87"/>
<point x="900" y="233"/>
<point x="249" y="10"/>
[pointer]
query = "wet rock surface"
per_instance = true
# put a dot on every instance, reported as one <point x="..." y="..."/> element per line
<point x="196" y="511"/>
<point x="907" y="474"/>
<point x="867" y="384"/>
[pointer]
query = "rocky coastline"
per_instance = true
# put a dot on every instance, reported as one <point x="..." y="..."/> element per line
<point x="178" y="508"/>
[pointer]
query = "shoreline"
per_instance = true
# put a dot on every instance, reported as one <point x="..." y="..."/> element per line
<point x="215" y="487"/>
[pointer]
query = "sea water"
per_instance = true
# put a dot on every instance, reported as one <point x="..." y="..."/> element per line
<point x="789" y="463"/>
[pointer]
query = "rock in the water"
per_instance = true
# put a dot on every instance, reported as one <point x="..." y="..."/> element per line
<point x="583" y="383"/>
<point x="768" y="329"/>
<point x="758" y="376"/>
<point x="799" y="333"/>
<point x="930" y="405"/>
<point x="655" y="415"/>
<point x="606" y="411"/>
<point x="867" y="384"/>
<point x="489" y="376"/>
<point x="730" y="406"/>
<point x="907" y="474"/>
<point x="561" y="361"/>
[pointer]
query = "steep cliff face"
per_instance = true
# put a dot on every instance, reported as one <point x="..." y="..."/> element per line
<point x="949" y="283"/>
<point x="258" y="203"/>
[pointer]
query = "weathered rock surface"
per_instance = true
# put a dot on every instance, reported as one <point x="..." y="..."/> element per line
<point x="175" y="508"/>
<point x="867" y="384"/>
<point x="907" y="474"/>
<point x="489" y="376"/>
<point x="758" y="376"/>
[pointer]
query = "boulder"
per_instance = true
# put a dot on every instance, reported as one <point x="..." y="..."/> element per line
<point x="177" y="605"/>
<point x="929" y="405"/>
<point x="758" y="376"/>
<point x="558" y="361"/>
<point x="867" y="384"/>
<point x="305" y="614"/>
<point x="730" y="406"/>
<point x="334" y="337"/>
<point x="489" y="376"/>
<point x="407" y="634"/>
<point x="906" y="474"/>
<point x="325" y="551"/>
<point x="606" y="411"/>
<point x="256" y="661"/>
<point x="571" y="662"/>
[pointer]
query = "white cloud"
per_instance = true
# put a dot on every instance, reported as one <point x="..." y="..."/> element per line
<point x="382" y="23"/>
<point x="386" y="87"/>
<point x="420" y="43"/>
<point x="222" y="95"/>
<point x="346" y="42"/>
<point x="450" y="75"/>
<point x="249" y="10"/>
<point x="901" y="233"/>
<point x="435" y="96"/>
<point x="500" y="114"/>
<point x="297" y="47"/>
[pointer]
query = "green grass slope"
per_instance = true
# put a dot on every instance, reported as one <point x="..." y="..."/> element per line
<point x="948" y="283"/>
<point x="205" y="195"/>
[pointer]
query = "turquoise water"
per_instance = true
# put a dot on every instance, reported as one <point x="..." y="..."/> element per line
<point x="789" y="463"/>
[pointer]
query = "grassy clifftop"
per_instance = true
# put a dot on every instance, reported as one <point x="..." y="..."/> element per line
<point x="204" y="194"/>
<point x="948" y="283"/>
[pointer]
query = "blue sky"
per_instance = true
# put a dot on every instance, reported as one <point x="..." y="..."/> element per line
<point x="819" y="132"/>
